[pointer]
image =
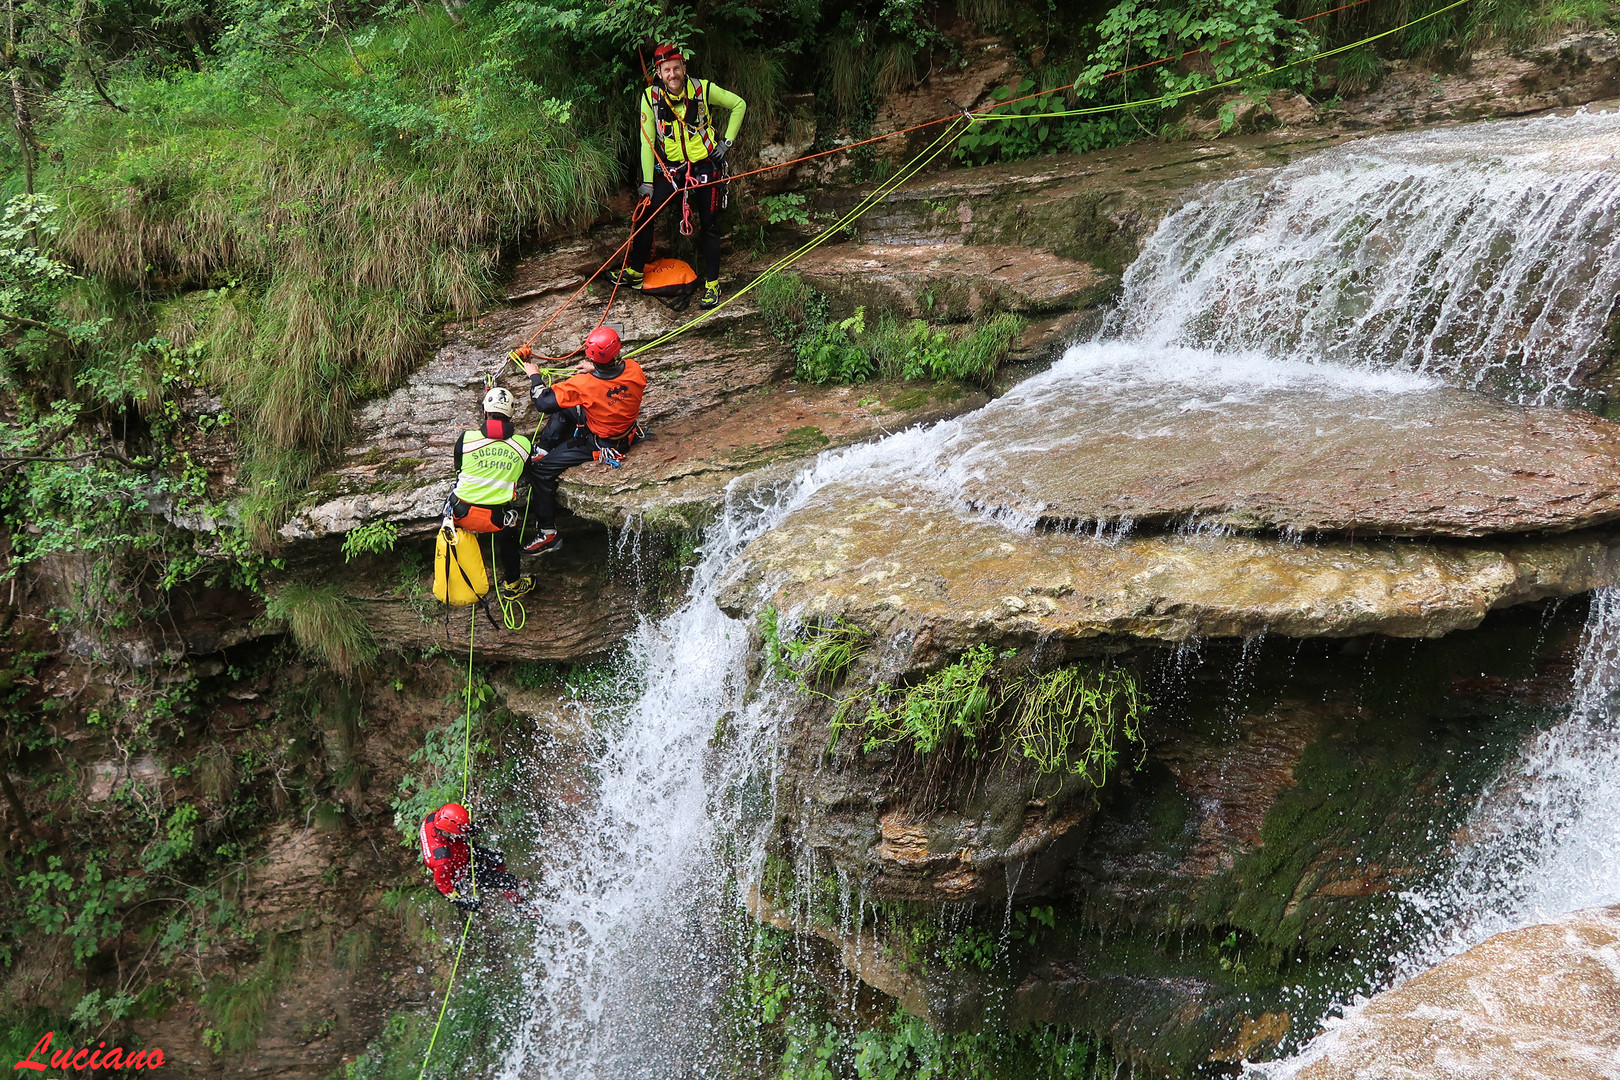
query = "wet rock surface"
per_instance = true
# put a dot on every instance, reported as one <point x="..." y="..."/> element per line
<point x="1206" y="900"/>
<point x="1535" y="1004"/>
<point x="937" y="582"/>
<point x="1110" y="446"/>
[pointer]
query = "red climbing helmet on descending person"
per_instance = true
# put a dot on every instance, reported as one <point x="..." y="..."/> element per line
<point x="667" y="52"/>
<point x="602" y="347"/>
<point x="452" y="819"/>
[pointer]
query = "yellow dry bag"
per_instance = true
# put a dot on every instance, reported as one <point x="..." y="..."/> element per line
<point x="458" y="570"/>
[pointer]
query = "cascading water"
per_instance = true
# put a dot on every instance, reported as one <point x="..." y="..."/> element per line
<point x="1487" y="255"/>
<point x="631" y="951"/>
<point x="1484" y="256"/>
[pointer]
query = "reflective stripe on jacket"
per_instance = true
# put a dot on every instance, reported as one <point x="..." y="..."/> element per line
<point x="490" y="468"/>
<point x="681" y="129"/>
<point x="612" y="406"/>
<point x="447" y="856"/>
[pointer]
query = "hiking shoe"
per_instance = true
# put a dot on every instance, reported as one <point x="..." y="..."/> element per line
<point x="511" y="590"/>
<point x="549" y="540"/>
<point x="711" y="296"/>
<point x="625" y="277"/>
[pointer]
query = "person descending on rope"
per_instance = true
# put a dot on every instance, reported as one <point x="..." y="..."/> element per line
<point x="678" y="136"/>
<point x="446" y="851"/>
<point x="591" y="416"/>
<point x="489" y="464"/>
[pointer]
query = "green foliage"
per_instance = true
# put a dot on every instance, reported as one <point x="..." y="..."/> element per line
<point x="67" y="491"/>
<point x="1054" y="709"/>
<point x="377" y="538"/>
<point x="786" y="208"/>
<point x="817" y="657"/>
<point x="325" y="624"/>
<point x="956" y="700"/>
<point x="779" y="1013"/>
<point x="444" y="762"/>
<point x="848" y="350"/>
<point x="328" y="209"/>
<point x="1072" y="720"/>
<point x="1231" y="39"/>
<point x="469" y="1042"/>
<point x="1359" y="70"/>
<point x="791" y="305"/>
<point x="831" y="352"/>
<point x="82" y="909"/>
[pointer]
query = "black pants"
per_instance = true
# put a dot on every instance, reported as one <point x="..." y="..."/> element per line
<point x="506" y="541"/>
<point x="705" y="204"/>
<point x="567" y="442"/>
<point x="489" y="876"/>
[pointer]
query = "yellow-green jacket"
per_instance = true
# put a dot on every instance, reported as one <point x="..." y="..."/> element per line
<point x="681" y="127"/>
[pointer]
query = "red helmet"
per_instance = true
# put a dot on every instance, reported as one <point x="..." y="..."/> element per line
<point x="452" y="818"/>
<point x="602" y="346"/>
<point x="667" y="52"/>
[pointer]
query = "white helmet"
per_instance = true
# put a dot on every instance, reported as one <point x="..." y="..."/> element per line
<point x="499" y="402"/>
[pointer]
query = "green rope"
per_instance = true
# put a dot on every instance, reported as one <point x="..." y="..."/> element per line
<point x="916" y="165"/>
<point x="472" y="863"/>
<point x="878" y="194"/>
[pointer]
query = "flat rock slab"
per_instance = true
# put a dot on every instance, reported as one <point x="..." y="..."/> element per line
<point x="1542" y="1003"/>
<point x="1120" y="435"/>
<point x="954" y="280"/>
<point x="891" y="559"/>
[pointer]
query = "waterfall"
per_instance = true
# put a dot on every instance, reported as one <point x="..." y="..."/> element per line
<point x="630" y="954"/>
<point x="1544" y="838"/>
<point x="1487" y="255"/>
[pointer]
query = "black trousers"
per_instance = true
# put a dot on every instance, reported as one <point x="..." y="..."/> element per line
<point x="489" y="875"/>
<point x="705" y="207"/>
<point x="567" y="442"/>
<point x="506" y="541"/>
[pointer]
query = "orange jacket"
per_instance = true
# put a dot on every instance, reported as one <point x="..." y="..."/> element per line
<point x="611" y="405"/>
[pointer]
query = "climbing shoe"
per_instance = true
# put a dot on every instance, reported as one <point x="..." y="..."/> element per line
<point x="625" y="277"/>
<point x="711" y="295"/>
<point x="549" y="540"/>
<point x="511" y="590"/>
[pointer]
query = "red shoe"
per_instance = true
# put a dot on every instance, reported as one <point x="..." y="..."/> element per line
<point x="548" y="540"/>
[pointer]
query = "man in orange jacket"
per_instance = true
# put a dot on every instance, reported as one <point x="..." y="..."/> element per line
<point x="592" y="417"/>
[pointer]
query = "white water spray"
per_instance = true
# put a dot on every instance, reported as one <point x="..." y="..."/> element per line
<point x="1488" y="255"/>
<point x="631" y="952"/>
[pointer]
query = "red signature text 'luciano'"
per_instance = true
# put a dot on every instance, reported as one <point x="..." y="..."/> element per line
<point x="42" y="1057"/>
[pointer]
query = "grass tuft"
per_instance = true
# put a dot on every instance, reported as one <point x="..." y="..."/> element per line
<point x="330" y="216"/>
<point x="1071" y="720"/>
<point x="326" y="626"/>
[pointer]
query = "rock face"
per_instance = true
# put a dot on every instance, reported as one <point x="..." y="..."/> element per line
<point x="936" y="582"/>
<point x="1124" y="441"/>
<point x="1277" y="449"/>
<point x="1205" y="901"/>
<point x="1535" y="1004"/>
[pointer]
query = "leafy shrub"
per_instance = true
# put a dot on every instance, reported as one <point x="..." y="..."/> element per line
<point x="832" y="353"/>
<point x="325" y="624"/>
<point x="377" y="538"/>
<point x="788" y="207"/>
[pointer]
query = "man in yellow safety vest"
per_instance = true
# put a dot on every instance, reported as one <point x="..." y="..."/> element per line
<point x="678" y="137"/>
<point x="489" y="463"/>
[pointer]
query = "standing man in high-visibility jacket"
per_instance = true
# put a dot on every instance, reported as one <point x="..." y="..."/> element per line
<point x="592" y="416"/>
<point x="679" y="148"/>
